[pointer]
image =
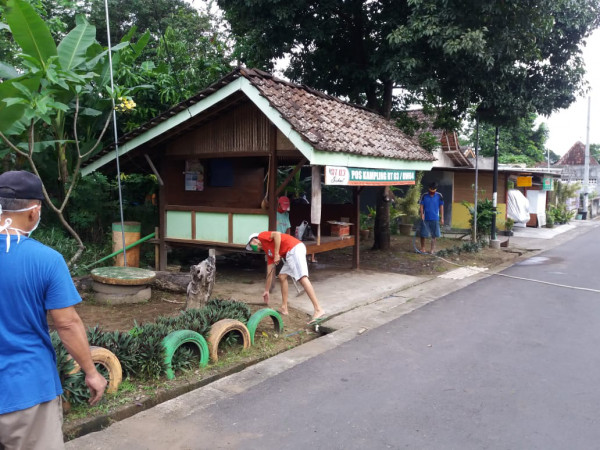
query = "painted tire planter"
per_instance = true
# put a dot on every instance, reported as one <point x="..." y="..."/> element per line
<point x="220" y="329"/>
<point x="110" y="362"/>
<point x="176" y="339"/>
<point x="258" y="316"/>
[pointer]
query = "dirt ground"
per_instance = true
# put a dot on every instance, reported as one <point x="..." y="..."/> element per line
<point x="241" y="277"/>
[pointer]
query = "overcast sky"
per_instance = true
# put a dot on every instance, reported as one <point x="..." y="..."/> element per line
<point x="570" y="125"/>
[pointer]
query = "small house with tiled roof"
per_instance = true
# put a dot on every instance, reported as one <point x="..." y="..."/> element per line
<point x="573" y="165"/>
<point x="217" y="154"/>
<point x="454" y="171"/>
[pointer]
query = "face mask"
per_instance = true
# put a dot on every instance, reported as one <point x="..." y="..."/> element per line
<point x="8" y="222"/>
<point x="254" y="247"/>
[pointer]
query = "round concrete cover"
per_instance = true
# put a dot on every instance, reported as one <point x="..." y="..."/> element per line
<point x="127" y="276"/>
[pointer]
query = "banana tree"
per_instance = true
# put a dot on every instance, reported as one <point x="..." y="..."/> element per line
<point x="58" y="100"/>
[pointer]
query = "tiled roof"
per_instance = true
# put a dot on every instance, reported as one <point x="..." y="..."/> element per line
<point x="327" y="123"/>
<point x="426" y="123"/>
<point x="576" y="156"/>
<point x="332" y="125"/>
<point x="448" y="139"/>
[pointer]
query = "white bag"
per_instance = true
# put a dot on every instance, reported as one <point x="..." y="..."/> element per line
<point x="304" y="232"/>
<point x="300" y="229"/>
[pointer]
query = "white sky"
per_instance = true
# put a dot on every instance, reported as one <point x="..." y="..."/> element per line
<point x="570" y="125"/>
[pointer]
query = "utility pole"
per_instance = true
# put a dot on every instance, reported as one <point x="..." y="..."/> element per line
<point x="494" y="243"/>
<point x="476" y="177"/>
<point x="586" y="167"/>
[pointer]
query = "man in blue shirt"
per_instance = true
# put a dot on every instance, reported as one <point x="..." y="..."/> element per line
<point x="432" y="215"/>
<point x="34" y="280"/>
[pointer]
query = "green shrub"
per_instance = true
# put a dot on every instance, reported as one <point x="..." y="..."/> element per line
<point x="140" y="349"/>
<point x="407" y="208"/>
<point x="57" y="238"/>
<point x="485" y="215"/>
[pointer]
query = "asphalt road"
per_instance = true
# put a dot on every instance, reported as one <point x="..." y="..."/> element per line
<point x="504" y="363"/>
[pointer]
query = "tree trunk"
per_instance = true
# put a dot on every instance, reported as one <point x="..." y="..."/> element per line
<point x="386" y="106"/>
<point x="202" y="283"/>
<point x="372" y="98"/>
<point x="381" y="229"/>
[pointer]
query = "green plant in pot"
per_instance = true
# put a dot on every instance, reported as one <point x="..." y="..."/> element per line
<point x="366" y="222"/>
<point x="508" y="226"/>
<point x="408" y="206"/>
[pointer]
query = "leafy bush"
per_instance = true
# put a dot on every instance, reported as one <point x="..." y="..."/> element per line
<point x="58" y="239"/>
<point x="485" y="215"/>
<point x="509" y="224"/>
<point x="407" y="208"/>
<point x="559" y="214"/>
<point x="466" y="247"/>
<point x="140" y="349"/>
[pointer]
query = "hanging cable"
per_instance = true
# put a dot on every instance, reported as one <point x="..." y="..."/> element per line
<point x="116" y="137"/>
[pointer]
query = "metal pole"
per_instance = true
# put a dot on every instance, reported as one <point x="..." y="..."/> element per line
<point x="116" y="137"/>
<point x="586" y="167"/>
<point x="476" y="177"/>
<point x="495" y="185"/>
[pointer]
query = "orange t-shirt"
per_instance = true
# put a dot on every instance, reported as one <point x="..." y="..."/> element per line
<point x="288" y="242"/>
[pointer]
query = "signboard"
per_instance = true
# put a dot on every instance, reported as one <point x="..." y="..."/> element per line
<point x="524" y="181"/>
<point x="548" y="184"/>
<point x="358" y="176"/>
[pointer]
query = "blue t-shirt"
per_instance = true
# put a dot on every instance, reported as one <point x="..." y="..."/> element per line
<point x="431" y="205"/>
<point x="33" y="279"/>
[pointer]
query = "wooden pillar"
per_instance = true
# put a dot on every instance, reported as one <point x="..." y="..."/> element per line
<point x="156" y="249"/>
<point x="162" y="223"/>
<point x="356" y="222"/>
<point x="272" y="185"/>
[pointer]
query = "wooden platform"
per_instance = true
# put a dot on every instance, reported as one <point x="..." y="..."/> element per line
<point x="329" y="243"/>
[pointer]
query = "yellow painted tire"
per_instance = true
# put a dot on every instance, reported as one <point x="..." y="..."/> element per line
<point x="110" y="362"/>
<point x="220" y="329"/>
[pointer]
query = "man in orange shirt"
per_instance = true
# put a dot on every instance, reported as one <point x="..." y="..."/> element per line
<point x="277" y="246"/>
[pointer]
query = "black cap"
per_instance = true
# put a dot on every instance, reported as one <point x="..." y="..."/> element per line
<point x="21" y="184"/>
<point x="433" y="185"/>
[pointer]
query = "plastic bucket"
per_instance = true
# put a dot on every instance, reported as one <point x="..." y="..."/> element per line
<point x="132" y="234"/>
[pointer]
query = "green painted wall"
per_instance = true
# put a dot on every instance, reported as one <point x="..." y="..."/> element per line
<point x="246" y="224"/>
<point x="212" y="227"/>
<point x="179" y="225"/>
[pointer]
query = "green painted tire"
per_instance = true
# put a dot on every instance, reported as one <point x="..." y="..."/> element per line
<point x="258" y="316"/>
<point x="176" y="339"/>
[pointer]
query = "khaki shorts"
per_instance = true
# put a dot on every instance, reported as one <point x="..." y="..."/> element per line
<point x="36" y="428"/>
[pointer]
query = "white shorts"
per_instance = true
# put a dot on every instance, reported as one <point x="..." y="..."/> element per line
<point x="295" y="262"/>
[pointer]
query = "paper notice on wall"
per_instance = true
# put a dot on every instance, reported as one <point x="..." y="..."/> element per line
<point x="194" y="175"/>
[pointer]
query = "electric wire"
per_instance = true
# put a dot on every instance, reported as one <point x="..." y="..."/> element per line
<point x="116" y="135"/>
